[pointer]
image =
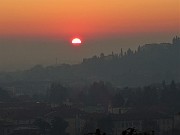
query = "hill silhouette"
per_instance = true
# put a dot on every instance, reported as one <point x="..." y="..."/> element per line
<point x="148" y="64"/>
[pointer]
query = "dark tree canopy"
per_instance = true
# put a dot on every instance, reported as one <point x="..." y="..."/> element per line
<point x="59" y="126"/>
<point x="57" y="93"/>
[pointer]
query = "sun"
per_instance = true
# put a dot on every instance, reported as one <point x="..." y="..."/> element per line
<point x="76" y="42"/>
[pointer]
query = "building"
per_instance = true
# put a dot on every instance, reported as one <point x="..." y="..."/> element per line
<point x="149" y="122"/>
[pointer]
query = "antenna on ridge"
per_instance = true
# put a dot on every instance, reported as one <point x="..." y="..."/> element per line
<point x="56" y="61"/>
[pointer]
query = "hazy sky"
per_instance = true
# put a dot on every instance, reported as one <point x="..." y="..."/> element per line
<point x="37" y="31"/>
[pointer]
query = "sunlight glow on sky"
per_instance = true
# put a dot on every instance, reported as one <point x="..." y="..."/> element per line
<point x="39" y="31"/>
<point x="89" y="18"/>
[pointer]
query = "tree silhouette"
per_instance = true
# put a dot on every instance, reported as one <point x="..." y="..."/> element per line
<point x="42" y="125"/>
<point x="118" y="100"/>
<point x="121" y="53"/>
<point x="4" y="95"/>
<point x="57" y="93"/>
<point x="172" y="85"/>
<point x="59" y="126"/>
<point x="98" y="93"/>
<point x="106" y="124"/>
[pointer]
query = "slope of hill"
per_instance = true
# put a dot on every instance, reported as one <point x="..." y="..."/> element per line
<point x="148" y="64"/>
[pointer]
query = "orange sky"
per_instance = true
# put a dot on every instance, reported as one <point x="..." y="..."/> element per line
<point x="87" y="18"/>
<point x="39" y="31"/>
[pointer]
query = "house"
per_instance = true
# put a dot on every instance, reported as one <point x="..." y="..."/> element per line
<point x="148" y="121"/>
<point x="73" y="116"/>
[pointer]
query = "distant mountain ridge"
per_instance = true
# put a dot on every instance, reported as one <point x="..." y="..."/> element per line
<point x="150" y="63"/>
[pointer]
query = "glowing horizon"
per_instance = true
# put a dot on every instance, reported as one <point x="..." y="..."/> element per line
<point x="67" y="18"/>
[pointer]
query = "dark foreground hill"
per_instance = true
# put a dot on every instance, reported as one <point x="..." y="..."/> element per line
<point x="150" y="63"/>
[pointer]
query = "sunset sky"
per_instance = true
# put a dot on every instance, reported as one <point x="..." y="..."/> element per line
<point x="38" y="31"/>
